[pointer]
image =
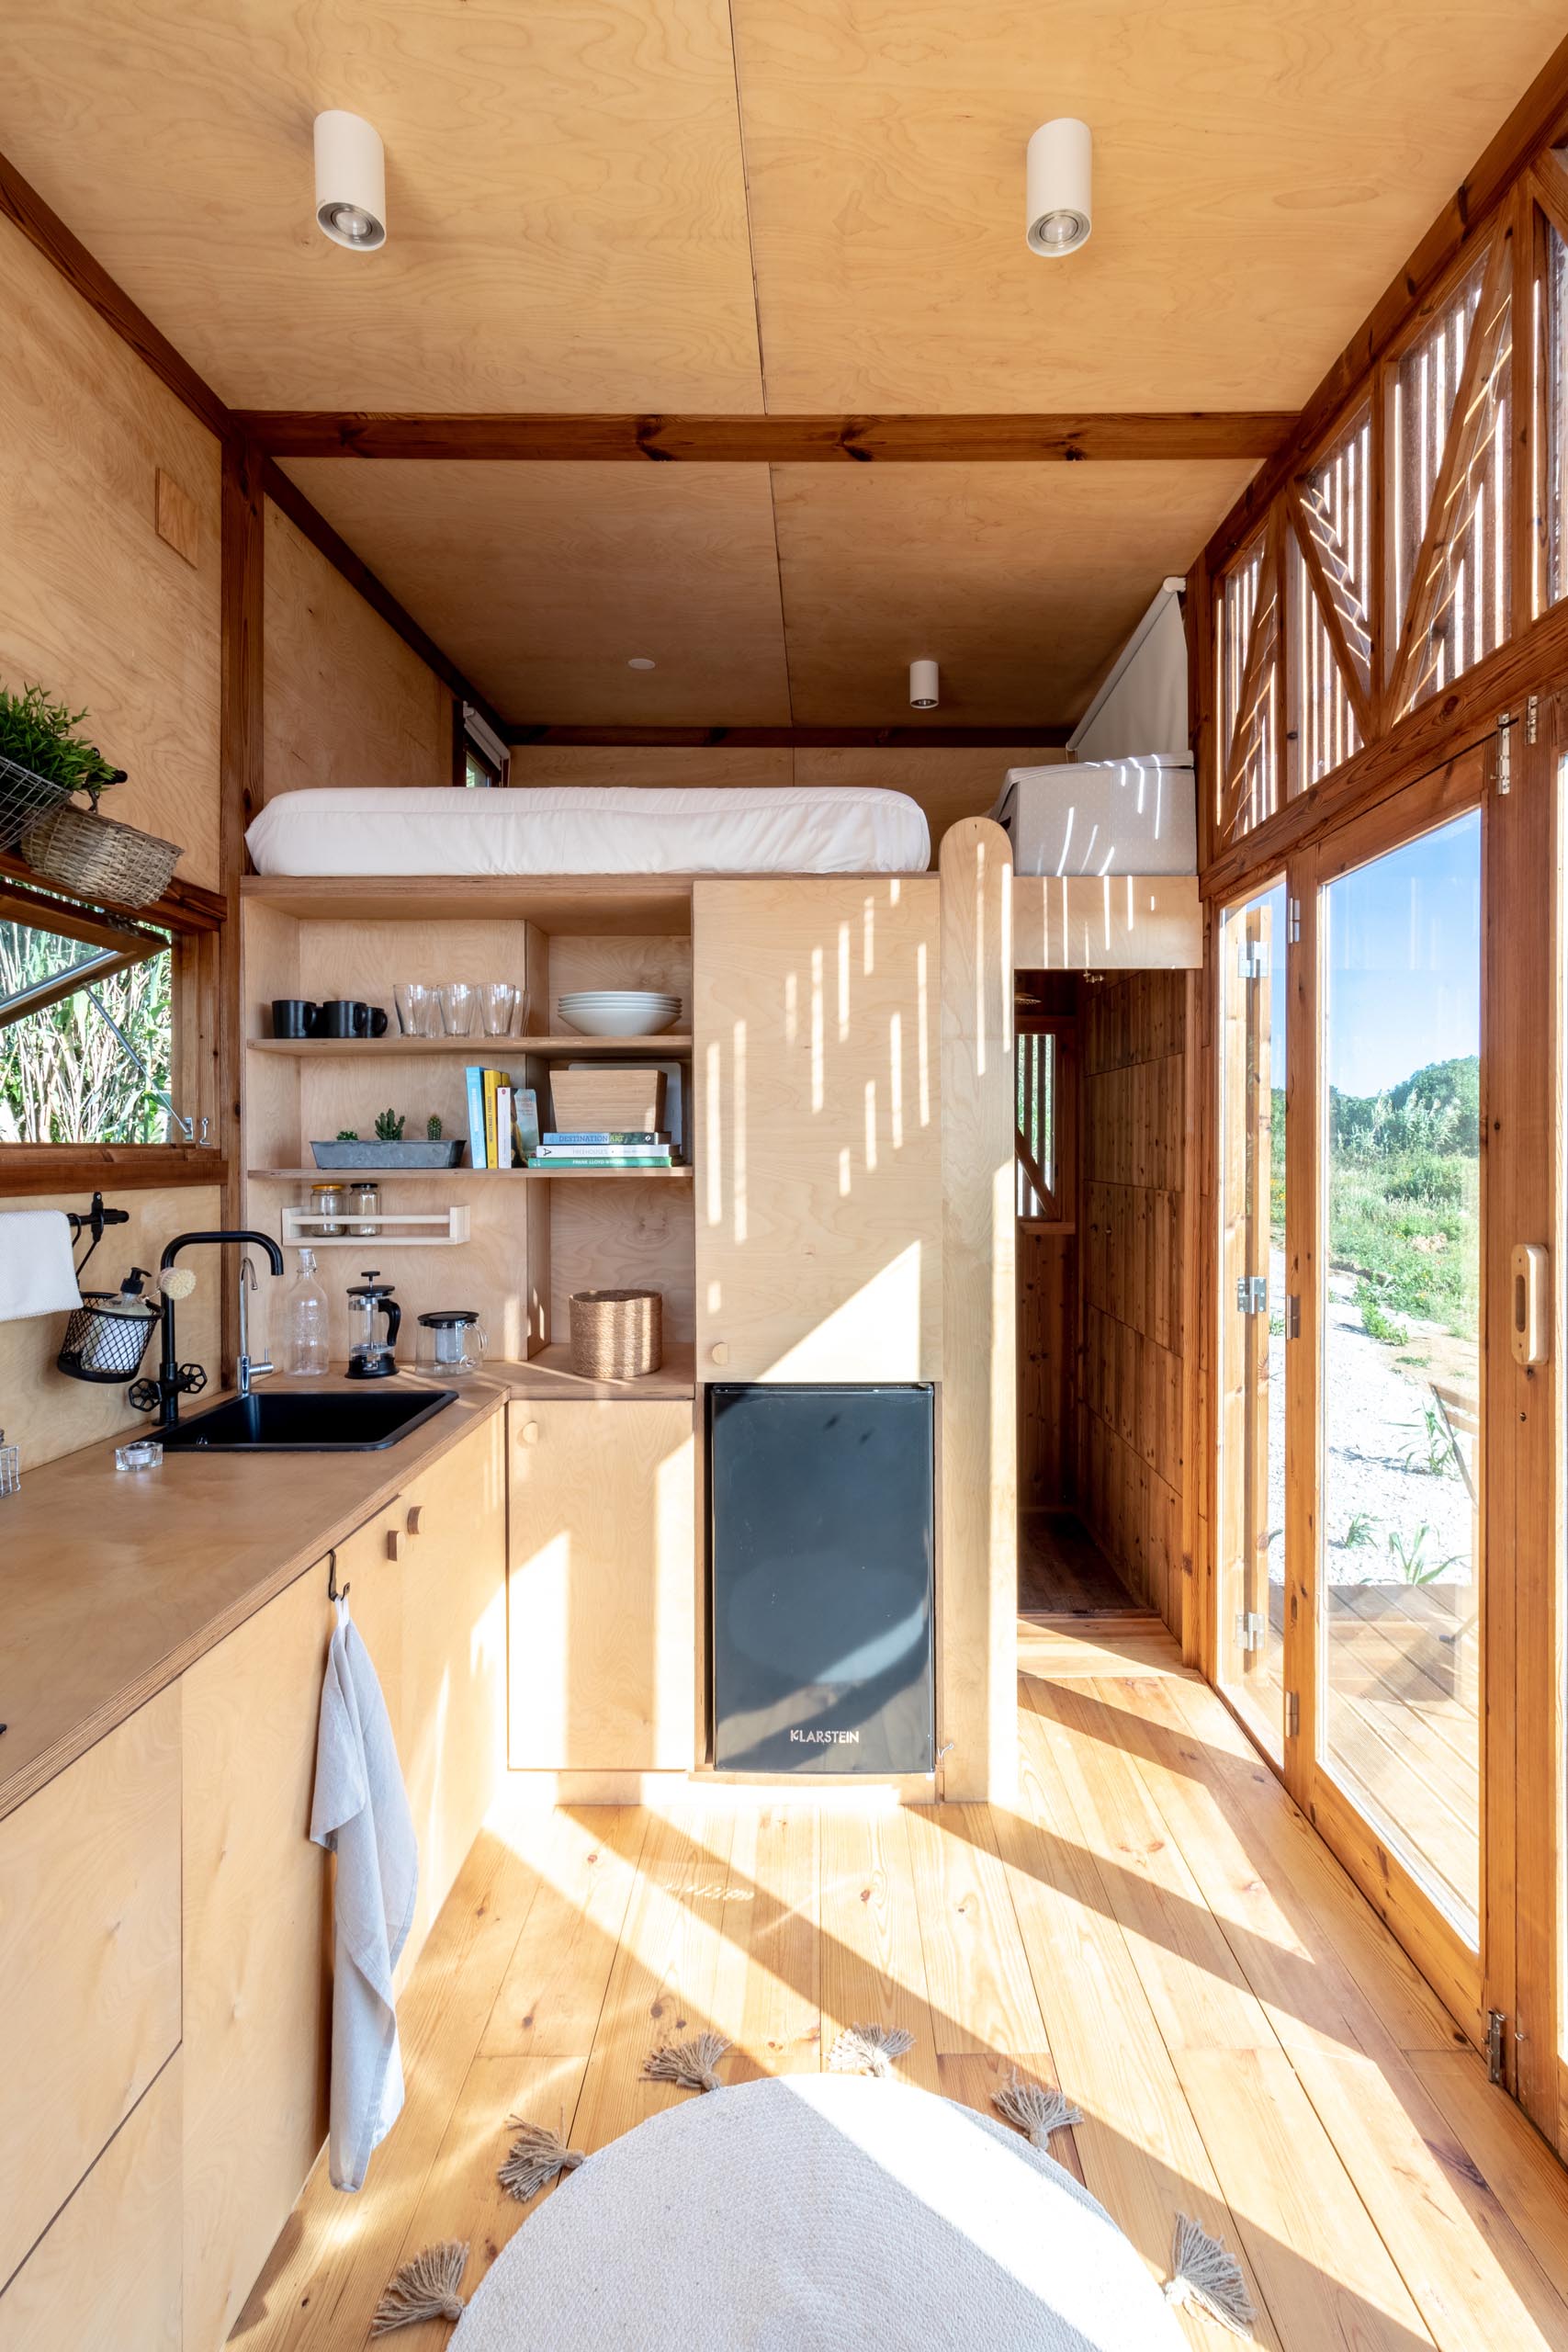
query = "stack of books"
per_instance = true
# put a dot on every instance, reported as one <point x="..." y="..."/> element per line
<point x="630" y="1148"/>
<point x="503" y="1124"/>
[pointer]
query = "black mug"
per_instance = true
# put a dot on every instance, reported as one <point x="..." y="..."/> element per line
<point x="295" y="1016"/>
<point x="350" y="1016"/>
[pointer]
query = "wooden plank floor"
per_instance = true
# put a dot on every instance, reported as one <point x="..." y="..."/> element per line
<point x="1155" y="1927"/>
<point x="1061" y="1572"/>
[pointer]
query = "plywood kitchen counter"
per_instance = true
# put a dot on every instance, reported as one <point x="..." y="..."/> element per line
<point x="114" y="1582"/>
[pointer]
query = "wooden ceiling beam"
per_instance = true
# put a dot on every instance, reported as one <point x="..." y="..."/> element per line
<point x="1541" y="118"/>
<point x="1026" y="733"/>
<point x="1065" y="439"/>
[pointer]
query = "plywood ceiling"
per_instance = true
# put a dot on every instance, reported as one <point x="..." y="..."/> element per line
<point x="569" y="189"/>
<point x="1020" y="580"/>
<point x="731" y="204"/>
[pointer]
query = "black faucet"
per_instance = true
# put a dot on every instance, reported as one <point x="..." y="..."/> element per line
<point x="175" y="1379"/>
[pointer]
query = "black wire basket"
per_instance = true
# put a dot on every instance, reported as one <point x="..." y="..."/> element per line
<point x="102" y="1347"/>
<point x="24" y="799"/>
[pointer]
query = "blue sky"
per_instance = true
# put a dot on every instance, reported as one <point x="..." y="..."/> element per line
<point x="1403" y="962"/>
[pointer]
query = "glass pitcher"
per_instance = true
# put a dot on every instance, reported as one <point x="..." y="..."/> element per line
<point x="452" y="1342"/>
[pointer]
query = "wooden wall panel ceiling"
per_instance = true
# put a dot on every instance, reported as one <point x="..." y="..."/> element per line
<point x="567" y="186"/>
<point x="1259" y="171"/>
<point x="564" y="182"/>
<point x="542" y="580"/>
<point x="1021" y="581"/>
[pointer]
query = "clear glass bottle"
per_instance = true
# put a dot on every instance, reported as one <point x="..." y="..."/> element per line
<point x="305" y="1319"/>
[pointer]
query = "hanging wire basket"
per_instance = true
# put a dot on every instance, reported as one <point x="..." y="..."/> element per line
<point x="24" y="799"/>
<point x="104" y="1346"/>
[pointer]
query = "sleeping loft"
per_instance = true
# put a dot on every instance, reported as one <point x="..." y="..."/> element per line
<point x="783" y="1176"/>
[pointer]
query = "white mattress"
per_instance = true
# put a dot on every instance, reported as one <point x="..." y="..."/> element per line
<point x="592" y="829"/>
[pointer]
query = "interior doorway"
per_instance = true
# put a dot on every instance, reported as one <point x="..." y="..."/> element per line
<point x="1101" y="1081"/>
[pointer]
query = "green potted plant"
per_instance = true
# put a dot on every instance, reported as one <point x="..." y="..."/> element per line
<point x="390" y="1149"/>
<point x="43" y="761"/>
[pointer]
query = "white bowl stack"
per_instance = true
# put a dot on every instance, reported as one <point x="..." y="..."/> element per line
<point x="618" y="1012"/>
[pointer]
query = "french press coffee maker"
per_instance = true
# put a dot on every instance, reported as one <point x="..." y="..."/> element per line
<point x="370" y="1358"/>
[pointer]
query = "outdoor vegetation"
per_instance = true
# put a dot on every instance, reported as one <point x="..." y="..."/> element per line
<point x="64" y="1076"/>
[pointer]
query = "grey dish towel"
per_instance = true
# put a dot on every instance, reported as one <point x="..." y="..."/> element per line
<point x="361" y="1814"/>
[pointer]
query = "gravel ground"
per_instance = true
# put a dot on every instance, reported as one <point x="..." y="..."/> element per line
<point x="1374" y="1413"/>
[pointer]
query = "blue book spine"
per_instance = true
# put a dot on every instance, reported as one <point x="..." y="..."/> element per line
<point x="476" y="1078"/>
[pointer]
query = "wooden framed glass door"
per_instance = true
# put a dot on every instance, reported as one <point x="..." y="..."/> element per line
<point x="1249" y="1651"/>
<point x="1387" y="1617"/>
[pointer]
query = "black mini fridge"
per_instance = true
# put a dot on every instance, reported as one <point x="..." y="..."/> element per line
<point x="820" y="1511"/>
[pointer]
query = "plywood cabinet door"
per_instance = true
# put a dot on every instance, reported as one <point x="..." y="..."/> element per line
<point x="256" y="1907"/>
<point x="452" y="1700"/>
<point x="89" y="1961"/>
<point x="602" y="1590"/>
<point x="818" y="1163"/>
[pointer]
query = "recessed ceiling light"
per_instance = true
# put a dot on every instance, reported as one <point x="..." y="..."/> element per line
<point x="351" y="181"/>
<point x="1058" y="174"/>
<point x="642" y="661"/>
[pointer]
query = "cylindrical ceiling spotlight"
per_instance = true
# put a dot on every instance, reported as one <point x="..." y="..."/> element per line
<point x="1058" y="181"/>
<point x="351" y="181"/>
<point x="922" y="686"/>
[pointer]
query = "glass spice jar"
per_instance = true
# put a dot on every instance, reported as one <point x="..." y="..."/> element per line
<point x="363" y="1201"/>
<point x="327" y="1202"/>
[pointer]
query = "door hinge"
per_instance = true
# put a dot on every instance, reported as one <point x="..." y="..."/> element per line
<point x="1252" y="960"/>
<point x="1252" y="1295"/>
<point x="1249" y="1629"/>
<point x="1293" y="1714"/>
<point x="1532" y="715"/>
<point x="1496" y="2024"/>
<point x="1292" y="1314"/>
<point x="1293" y="921"/>
<point x="1505" y="723"/>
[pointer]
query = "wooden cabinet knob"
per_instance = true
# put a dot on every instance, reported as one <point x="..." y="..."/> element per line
<point x="530" y="1432"/>
<point x="719" y="1352"/>
<point x="416" y="1518"/>
<point x="394" y="1543"/>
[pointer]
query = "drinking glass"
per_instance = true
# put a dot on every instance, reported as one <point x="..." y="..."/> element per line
<point x="457" y="1008"/>
<point x="416" y="1007"/>
<point x="498" y="1003"/>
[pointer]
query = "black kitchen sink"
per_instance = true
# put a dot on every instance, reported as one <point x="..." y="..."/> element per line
<point x="296" y="1420"/>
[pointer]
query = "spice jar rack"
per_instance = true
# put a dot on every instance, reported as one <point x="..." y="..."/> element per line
<point x="404" y="1228"/>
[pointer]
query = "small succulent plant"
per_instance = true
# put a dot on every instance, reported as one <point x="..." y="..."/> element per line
<point x="433" y="1126"/>
<point x="389" y="1127"/>
<point x="348" y="1134"/>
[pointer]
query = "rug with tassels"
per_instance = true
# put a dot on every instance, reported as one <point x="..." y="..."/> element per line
<point x="844" y="2211"/>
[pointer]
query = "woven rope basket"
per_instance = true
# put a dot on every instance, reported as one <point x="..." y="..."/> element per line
<point x="100" y="857"/>
<point x="616" y="1334"/>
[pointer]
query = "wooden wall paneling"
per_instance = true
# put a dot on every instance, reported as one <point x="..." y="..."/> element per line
<point x="107" y="2269"/>
<point x="49" y="1415"/>
<point x="624" y="1236"/>
<point x="94" y="604"/>
<point x="241" y="786"/>
<point x="601" y="1591"/>
<point x="978" y="1559"/>
<point x="256" y="1918"/>
<point x="347" y="700"/>
<point x="1047" y="1415"/>
<point x="1102" y="923"/>
<point x="89" y="1963"/>
<point x="820" y="1127"/>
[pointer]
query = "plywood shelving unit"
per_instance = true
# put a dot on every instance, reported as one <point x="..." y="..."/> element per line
<point x="532" y="1237"/>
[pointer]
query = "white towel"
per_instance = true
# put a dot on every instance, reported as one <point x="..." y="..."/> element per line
<point x="36" y="1276"/>
<point x="361" y="1814"/>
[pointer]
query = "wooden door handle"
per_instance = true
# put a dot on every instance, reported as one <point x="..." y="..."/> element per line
<point x="394" y="1543"/>
<point x="719" y="1352"/>
<point x="530" y="1432"/>
<point x="416" y="1518"/>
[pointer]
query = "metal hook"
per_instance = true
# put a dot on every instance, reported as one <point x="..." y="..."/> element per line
<point x="332" y="1592"/>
